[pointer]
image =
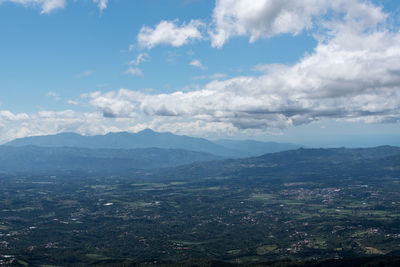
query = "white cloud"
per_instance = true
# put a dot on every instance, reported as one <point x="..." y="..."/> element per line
<point x="102" y="4"/>
<point x="6" y="115"/>
<point x="169" y="33"/>
<point x="50" y="5"/>
<point x="90" y="123"/>
<point x="141" y="58"/>
<point x="197" y="63"/>
<point x="54" y="95"/>
<point x="72" y="102"/>
<point x="266" y="18"/>
<point x="46" y="6"/>
<point x="51" y="122"/>
<point x="134" y="71"/>
<point x="123" y="103"/>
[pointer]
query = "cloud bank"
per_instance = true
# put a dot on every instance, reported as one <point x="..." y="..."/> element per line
<point x="353" y="73"/>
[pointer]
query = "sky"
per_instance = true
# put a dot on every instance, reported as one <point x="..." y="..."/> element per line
<point x="312" y="72"/>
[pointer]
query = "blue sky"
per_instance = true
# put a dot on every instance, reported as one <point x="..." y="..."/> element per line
<point x="311" y="72"/>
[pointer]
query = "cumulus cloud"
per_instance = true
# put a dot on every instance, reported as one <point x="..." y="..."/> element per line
<point x="72" y="102"/>
<point x="134" y="71"/>
<point x="102" y="4"/>
<point x="141" y="58"/>
<point x="46" y="6"/>
<point x="47" y="122"/>
<point x="197" y="63"/>
<point x="266" y="18"/>
<point x="116" y="104"/>
<point x="170" y="33"/>
<point x="51" y="122"/>
<point x="6" y="115"/>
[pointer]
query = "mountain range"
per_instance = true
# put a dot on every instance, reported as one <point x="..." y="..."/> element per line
<point x="189" y="157"/>
<point x="298" y="164"/>
<point x="105" y="161"/>
<point x="151" y="139"/>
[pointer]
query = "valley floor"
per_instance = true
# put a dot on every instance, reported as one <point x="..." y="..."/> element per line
<point x="81" y="220"/>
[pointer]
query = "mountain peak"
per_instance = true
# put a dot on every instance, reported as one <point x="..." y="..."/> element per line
<point x="146" y="131"/>
<point x="68" y="134"/>
<point x="116" y="133"/>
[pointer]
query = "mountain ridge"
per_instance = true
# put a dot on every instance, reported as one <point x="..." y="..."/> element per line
<point x="47" y="159"/>
<point x="321" y="161"/>
<point x="148" y="138"/>
<point x="252" y="147"/>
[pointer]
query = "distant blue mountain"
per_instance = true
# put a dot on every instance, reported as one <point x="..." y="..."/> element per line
<point x="124" y="140"/>
<point x="149" y="138"/>
<point x="293" y="164"/>
<point x="57" y="159"/>
<point x="250" y="148"/>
